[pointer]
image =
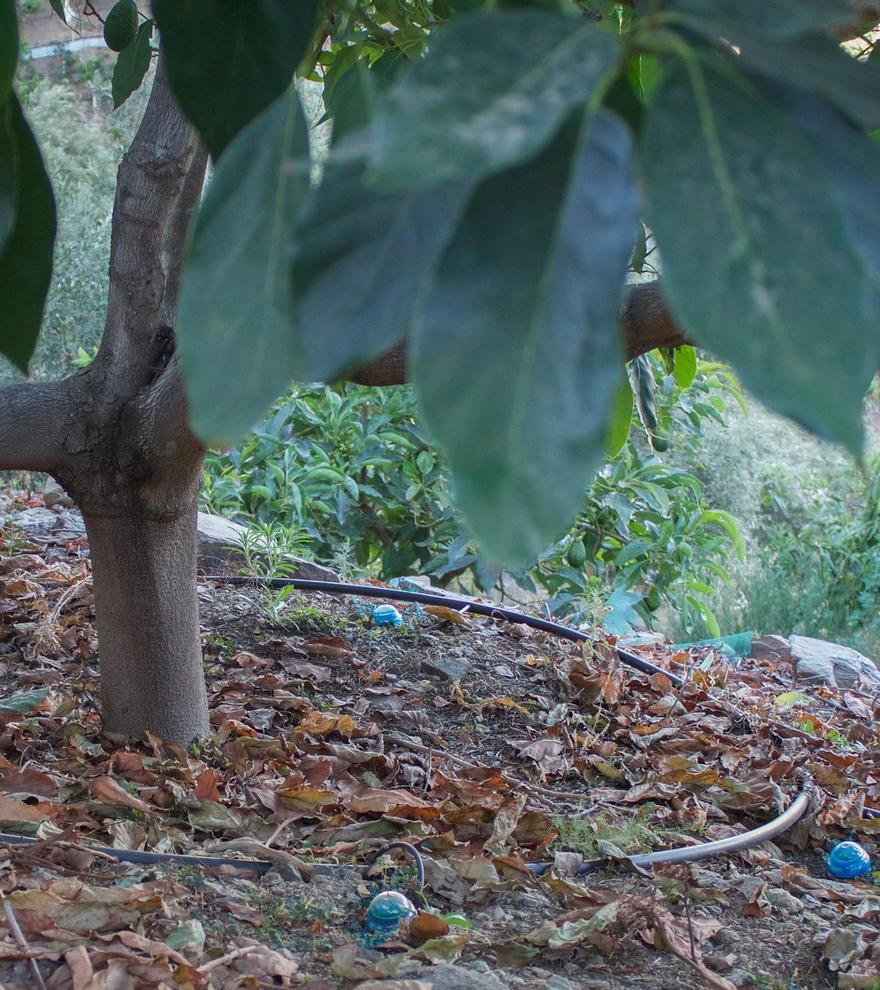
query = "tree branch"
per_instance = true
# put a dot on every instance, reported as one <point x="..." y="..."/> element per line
<point x="158" y="187"/>
<point x="32" y="419"/>
<point x="645" y="323"/>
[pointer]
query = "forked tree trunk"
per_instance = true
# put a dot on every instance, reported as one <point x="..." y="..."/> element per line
<point x="146" y="608"/>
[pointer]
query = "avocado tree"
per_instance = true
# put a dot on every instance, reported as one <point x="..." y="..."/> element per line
<point x="492" y="169"/>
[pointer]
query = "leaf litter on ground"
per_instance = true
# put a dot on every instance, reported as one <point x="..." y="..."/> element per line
<point x="332" y="737"/>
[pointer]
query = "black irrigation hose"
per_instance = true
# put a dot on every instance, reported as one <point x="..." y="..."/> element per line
<point x="685" y="854"/>
<point x="447" y="601"/>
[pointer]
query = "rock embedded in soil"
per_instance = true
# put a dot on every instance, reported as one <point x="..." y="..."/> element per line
<point x="771" y="648"/>
<point x="452" y="667"/>
<point x="819" y="662"/>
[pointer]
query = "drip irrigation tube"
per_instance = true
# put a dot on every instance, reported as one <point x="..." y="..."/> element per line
<point x="685" y="854"/>
<point x="447" y="601"/>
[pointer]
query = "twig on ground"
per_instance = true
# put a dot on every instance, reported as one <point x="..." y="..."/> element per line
<point x="22" y="942"/>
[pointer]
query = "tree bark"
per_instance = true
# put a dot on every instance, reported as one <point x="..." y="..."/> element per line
<point x="152" y="677"/>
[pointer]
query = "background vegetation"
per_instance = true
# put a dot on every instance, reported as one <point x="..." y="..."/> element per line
<point x="713" y="516"/>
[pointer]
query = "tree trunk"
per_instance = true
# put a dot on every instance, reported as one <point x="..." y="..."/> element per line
<point x="150" y="650"/>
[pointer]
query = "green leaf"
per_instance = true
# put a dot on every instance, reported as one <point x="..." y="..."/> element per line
<point x="789" y="698"/>
<point x="516" y="353"/>
<point x="23" y="702"/>
<point x="790" y="47"/>
<point x="132" y="64"/>
<point x="492" y="91"/>
<point x="775" y="21"/>
<point x="684" y="368"/>
<point x="728" y="523"/>
<point x="361" y="258"/>
<point x="26" y="258"/>
<point x="58" y="7"/>
<point x="234" y="311"/>
<point x="8" y="170"/>
<point x="8" y="46"/>
<point x="620" y="418"/>
<point x="740" y="263"/>
<point x="851" y="163"/>
<point x="227" y="60"/>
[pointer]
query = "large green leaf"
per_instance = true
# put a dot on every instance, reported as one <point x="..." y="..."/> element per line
<point x="229" y="59"/>
<point x="234" y="321"/>
<point x="492" y="91"/>
<point x="132" y="64"/>
<point x="851" y="161"/>
<point x="790" y="47"/>
<point x="26" y="258"/>
<point x="362" y="256"/>
<point x="7" y="172"/>
<point x="8" y="46"/>
<point x="757" y="262"/>
<point x="774" y="21"/>
<point x="516" y="351"/>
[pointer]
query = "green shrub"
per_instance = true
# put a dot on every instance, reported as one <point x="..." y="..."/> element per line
<point x="351" y="467"/>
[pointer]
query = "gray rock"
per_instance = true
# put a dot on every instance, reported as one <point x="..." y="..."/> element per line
<point x="819" y="662"/>
<point x="452" y="667"/>
<point x="220" y="538"/>
<point x="784" y="900"/>
<point x="445" y="977"/>
<point x="771" y="648"/>
<point x="557" y="982"/>
<point x="54" y="494"/>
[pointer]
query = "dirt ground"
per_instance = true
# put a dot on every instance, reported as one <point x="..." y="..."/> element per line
<point x="486" y="745"/>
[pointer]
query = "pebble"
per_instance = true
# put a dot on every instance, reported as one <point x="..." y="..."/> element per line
<point x="557" y="982"/>
<point x="784" y="900"/>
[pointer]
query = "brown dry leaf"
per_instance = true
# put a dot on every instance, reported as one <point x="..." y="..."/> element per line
<point x="426" y="925"/>
<point x="250" y="661"/>
<point x="501" y="702"/>
<point x="12" y="810"/>
<point x="446" y="614"/>
<point x="328" y="646"/>
<point x="757" y="906"/>
<point x="14" y="781"/>
<point x="321" y="724"/>
<point x="306" y="798"/>
<point x="383" y="802"/>
<point x="446" y="949"/>
<point x="206" y="786"/>
<point x="81" y="969"/>
<point x="674" y="937"/>
<point x="107" y="791"/>
<point x="76" y="907"/>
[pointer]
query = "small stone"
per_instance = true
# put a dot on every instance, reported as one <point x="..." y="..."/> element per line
<point x="725" y="937"/>
<point x="784" y="900"/>
<point x="481" y="966"/>
<point x="557" y="982"/>
<point x="445" y="977"/>
<point x="743" y="978"/>
<point x="720" y="963"/>
<point x="502" y="670"/>
<point x="54" y="494"/>
<point x="452" y="667"/>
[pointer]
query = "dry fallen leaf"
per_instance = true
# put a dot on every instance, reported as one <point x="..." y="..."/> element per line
<point x="107" y="791"/>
